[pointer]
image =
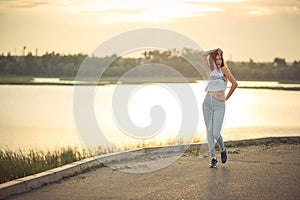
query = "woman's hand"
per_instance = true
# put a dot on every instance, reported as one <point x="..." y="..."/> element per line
<point x="220" y="51"/>
<point x="206" y="53"/>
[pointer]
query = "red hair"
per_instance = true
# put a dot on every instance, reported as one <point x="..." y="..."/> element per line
<point x="214" y="54"/>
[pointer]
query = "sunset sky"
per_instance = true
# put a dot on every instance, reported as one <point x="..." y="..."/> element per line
<point x="257" y="29"/>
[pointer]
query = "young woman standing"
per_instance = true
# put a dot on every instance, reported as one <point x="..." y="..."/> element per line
<point x="214" y="103"/>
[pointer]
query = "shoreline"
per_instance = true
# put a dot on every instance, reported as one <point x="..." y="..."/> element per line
<point x="292" y="85"/>
<point x="104" y="83"/>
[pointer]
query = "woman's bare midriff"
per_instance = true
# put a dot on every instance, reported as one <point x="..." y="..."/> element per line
<point x="218" y="94"/>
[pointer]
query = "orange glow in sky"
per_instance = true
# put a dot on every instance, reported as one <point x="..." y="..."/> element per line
<point x="257" y="29"/>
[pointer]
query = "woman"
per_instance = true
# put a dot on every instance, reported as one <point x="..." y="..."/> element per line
<point x="214" y="102"/>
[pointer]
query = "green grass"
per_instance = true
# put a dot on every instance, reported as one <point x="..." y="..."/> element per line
<point x="15" y="79"/>
<point x="21" y="163"/>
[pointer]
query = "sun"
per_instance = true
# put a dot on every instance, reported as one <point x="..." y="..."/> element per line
<point x="149" y="11"/>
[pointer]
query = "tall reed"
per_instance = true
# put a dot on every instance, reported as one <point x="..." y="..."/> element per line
<point x="20" y="163"/>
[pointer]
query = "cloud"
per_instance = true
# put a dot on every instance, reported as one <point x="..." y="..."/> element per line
<point x="252" y="7"/>
<point x="120" y="11"/>
<point x="271" y="7"/>
<point x="154" y="14"/>
<point x="156" y="11"/>
<point x="23" y="3"/>
<point x="258" y="11"/>
<point x="215" y="1"/>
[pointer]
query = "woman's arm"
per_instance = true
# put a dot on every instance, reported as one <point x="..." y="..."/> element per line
<point x="230" y="77"/>
<point x="204" y="57"/>
<point x="205" y="63"/>
<point x="210" y="51"/>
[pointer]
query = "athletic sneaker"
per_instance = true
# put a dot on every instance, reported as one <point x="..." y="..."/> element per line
<point x="213" y="163"/>
<point x="224" y="156"/>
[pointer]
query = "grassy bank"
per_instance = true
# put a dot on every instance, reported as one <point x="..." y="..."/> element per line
<point x="15" y="79"/>
<point x="20" y="163"/>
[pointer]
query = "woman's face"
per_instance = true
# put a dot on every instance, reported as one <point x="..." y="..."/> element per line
<point x="218" y="60"/>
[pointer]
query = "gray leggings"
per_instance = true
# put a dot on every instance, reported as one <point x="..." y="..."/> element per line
<point x="213" y="113"/>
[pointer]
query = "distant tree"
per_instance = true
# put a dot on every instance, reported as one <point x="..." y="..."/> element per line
<point x="279" y="62"/>
<point x="296" y="63"/>
<point x="251" y="63"/>
<point x="57" y="65"/>
<point x="23" y="51"/>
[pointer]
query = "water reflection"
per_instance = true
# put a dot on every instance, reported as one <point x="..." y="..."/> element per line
<point x="42" y="116"/>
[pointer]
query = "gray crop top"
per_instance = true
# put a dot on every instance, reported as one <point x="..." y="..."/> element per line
<point x="216" y="81"/>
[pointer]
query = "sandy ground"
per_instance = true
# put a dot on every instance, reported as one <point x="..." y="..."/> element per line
<point x="253" y="172"/>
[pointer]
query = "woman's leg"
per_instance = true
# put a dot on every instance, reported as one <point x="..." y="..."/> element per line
<point x="218" y="117"/>
<point x="208" y="119"/>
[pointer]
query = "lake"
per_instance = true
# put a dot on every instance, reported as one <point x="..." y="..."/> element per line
<point x="42" y="116"/>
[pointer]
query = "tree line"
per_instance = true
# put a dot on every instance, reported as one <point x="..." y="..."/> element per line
<point x="57" y="65"/>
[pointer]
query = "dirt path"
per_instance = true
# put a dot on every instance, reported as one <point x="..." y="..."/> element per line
<point x="253" y="172"/>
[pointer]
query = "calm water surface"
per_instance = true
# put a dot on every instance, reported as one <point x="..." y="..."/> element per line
<point x="42" y="116"/>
